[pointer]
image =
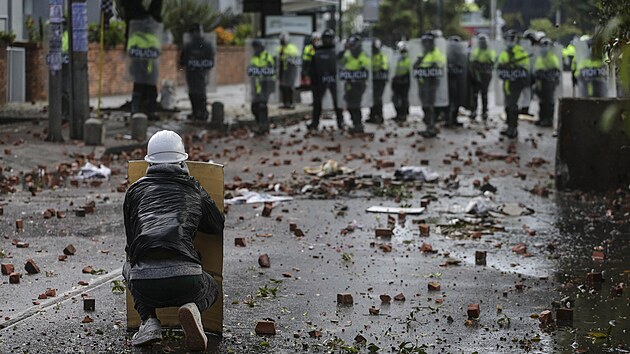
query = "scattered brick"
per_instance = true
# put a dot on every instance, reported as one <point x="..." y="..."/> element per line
<point x="617" y="290"/>
<point x="385" y="247"/>
<point x="594" y="277"/>
<point x="19" y="224"/>
<point x="265" y="328"/>
<point x="31" y="267"/>
<point x="7" y="268"/>
<point x="315" y="334"/>
<point x="374" y="310"/>
<point x="564" y="317"/>
<point x="69" y="250"/>
<point x="426" y="248"/>
<point x="399" y="297"/>
<point x="14" y="278"/>
<point x="266" y="212"/>
<point x="424" y="203"/>
<point x="545" y="318"/>
<point x="598" y="256"/>
<point x="360" y="339"/>
<point x="239" y="242"/>
<point x="83" y="283"/>
<point x="473" y="311"/>
<point x="80" y="212"/>
<point x="42" y="296"/>
<point x="519" y="286"/>
<point x="263" y="261"/>
<point x="480" y="258"/>
<point x="47" y="214"/>
<point x="520" y="248"/>
<point x="89" y="304"/>
<point x="387" y="233"/>
<point x="62" y="257"/>
<point x="298" y="233"/>
<point x="51" y="292"/>
<point x="434" y="286"/>
<point x="22" y="244"/>
<point x="87" y="319"/>
<point x="344" y="299"/>
<point x="386" y="299"/>
<point x="88" y="270"/>
<point x="425" y="229"/>
<point x="292" y="226"/>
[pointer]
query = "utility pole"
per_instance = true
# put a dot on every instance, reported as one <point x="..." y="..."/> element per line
<point x="53" y="60"/>
<point x="340" y="32"/>
<point x="438" y="21"/>
<point x="493" y="20"/>
<point x="79" y="66"/>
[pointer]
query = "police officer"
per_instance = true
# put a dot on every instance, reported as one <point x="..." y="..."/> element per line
<point x="289" y="60"/>
<point x="513" y="69"/>
<point x="457" y="79"/>
<point x="589" y="72"/>
<point x="355" y="66"/>
<point x="307" y="57"/>
<point x="547" y="71"/>
<point x="401" y="83"/>
<point x="323" y="74"/>
<point x="429" y="71"/>
<point x="262" y="74"/>
<point x="380" y="75"/>
<point x="197" y="58"/>
<point x="144" y="48"/>
<point x="481" y="66"/>
<point x="568" y="54"/>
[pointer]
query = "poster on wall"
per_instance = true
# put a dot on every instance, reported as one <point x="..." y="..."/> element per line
<point x="79" y="27"/>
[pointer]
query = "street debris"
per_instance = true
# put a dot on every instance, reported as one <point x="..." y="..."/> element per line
<point x="90" y="171"/>
<point x="394" y="210"/>
<point x="245" y="196"/>
<point x="416" y="173"/>
<point x="329" y="169"/>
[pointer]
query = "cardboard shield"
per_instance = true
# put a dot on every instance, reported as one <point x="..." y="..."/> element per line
<point x="202" y="60"/>
<point x="261" y="80"/>
<point x="143" y="51"/>
<point x="457" y="61"/>
<point x="354" y="85"/>
<point x="210" y="247"/>
<point x="592" y="74"/>
<point x="545" y="69"/>
<point x="436" y="77"/>
<point x="289" y="65"/>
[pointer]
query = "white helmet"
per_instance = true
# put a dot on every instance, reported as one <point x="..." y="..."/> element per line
<point x="165" y="146"/>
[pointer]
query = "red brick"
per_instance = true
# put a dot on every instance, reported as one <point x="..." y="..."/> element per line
<point x="31" y="267"/>
<point x="426" y="248"/>
<point x="87" y="319"/>
<point x="598" y="256"/>
<point x="387" y="233"/>
<point x="266" y="212"/>
<point x="360" y="339"/>
<point x="83" y="283"/>
<point x="87" y="270"/>
<point x="62" y="257"/>
<point x="399" y="297"/>
<point x="89" y="304"/>
<point x="344" y="299"/>
<point x="617" y="290"/>
<point x="42" y="297"/>
<point x="7" y="268"/>
<point x="266" y="328"/>
<point x="14" y="278"/>
<point x="473" y="311"/>
<point x="595" y="277"/>
<point x="298" y="233"/>
<point x="564" y="317"/>
<point x="519" y="286"/>
<point x="315" y="334"/>
<point x="22" y="244"/>
<point x="424" y="203"/>
<point x="51" y="292"/>
<point x="434" y="286"/>
<point x="386" y="299"/>
<point x="480" y="258"/>
<point x="374" y="310"/>
<point x="546" y="318"/>
<point x="263" y="261"/>
<point x="520" y="248"/>
<point x="19" y="224"/>
<point x="60" y="214"/>
<point x="47" y="214"/>
<point x="70" y="250"/>
<point x="80" y="212"/>
<point x="239" y="242"/>
<point x="425" y="229"/>
<point x="292" y="226"/>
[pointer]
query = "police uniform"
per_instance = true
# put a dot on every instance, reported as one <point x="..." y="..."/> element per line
<point x="380" y="75"/>
<point x="400" y="85"/>
<point x="262" y="73"/>
<point x="481" y="66"/>
<point x="323" y="75"/>
<point x="547" y="71"/>
<point x="144" y="96"/>
<point x="287" y="72"/>
<point x="591" y="72"/>
<point x="513" y="69"/>
<point x="430" y="69"/>
<point x="197" y="58"/>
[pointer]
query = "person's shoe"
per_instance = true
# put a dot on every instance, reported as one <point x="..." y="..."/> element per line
<point x="428" y="133"/>
<point x="190" y="320"/>
<point x="484" y="116"/>
<point x="150" y="332"/>
<point x="510" y="132"/>
<point x="545" y="123"/>
<point x="400" y="119"/>
<point x="356" y="130"/>
<point x="374" y="120"/>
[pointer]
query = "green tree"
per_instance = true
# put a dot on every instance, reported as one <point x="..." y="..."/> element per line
<point x="485" y="6"/>
<point x="582" y="14"/>
<point x="562" y="33"/>
<point x="180" y="14"/>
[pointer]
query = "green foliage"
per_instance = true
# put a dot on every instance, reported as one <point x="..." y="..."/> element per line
<point x="7" y="37"/>
<point x="267" y="292"/>
<point x="178" y="15"/>
<point x="410" y="348"/>
<point x="33" y="33"/>
<point x="579" y="13"/>
<point x="562" y="33"/>
<point x="112" y="36"/>
<point x="118" y="287"/>
<point x="241" y="32"/>
<point x="485" y="6"/>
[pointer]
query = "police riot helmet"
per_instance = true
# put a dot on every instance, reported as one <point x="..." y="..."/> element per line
<point x="454" y="39"/>
<point x="402" y="46"/>
<point x="258" y="46"/>
<point x="510" y="36"/>
<point x="428" y="41"/>
<point x="284" y="38"/>
<point x="316" y="39"/>
<point x="328" y="37"/>
<point x="376" y="44"/>
<point x="546" y="42"/>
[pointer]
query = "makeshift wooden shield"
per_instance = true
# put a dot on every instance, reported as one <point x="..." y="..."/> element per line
<point x="210" y="176"/>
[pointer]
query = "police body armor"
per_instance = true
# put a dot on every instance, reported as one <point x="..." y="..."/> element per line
<point x="143" y="50"/>
<point x="261" y="70"/>
<point x="481" y="68"/>
<point x="198" y="60"/>
<point x="290" y="62"/>
<point x="547" y="71"/>
<point x="386" y="75"/>
<point x="457" y="61"/>
<point x="429" y="84"/>
<point x="592" y="73"/>
<point x="354" y="76"/>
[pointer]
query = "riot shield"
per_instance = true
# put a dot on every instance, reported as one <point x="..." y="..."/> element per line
<point x="354" y="76"/>
<point x="481" y="67"/>
<point x="261" y="70"/>
<point x="547" y="71"/>
<point x="391" y="58"/>
<point x="143" y="51"/>
<point x="498" y="46"/>
<point x="428" y="82"/>
<point x="526" y="96"/>
<point x="457" y="61"/>
<point x="198" y="60"/>
<point x="290" y="64"/>
<point x="592" y="74"/>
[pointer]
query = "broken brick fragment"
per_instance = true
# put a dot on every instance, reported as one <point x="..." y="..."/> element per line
<point x="14" y="278"/>
<point x="399" y="297"/>
<point x="7" y="268"/>
<point x="434" y="286"/>
<point x="265" y="328"/>
<point x="87" y="319"/>
<point x="62" y="257"/>
<point x="425" y="229"/>
<point x="473" y="311"/>
<point x="426" y="248"/>
<point x="315" y="334"/>
<point x="80" y="212"/>
<point x="22" y="244"/>
<point x="383" y="232"/>
<point x="83" y="283"/>
<point x="51" y="292"/>
<point x="598" y="256"/>
<point x="374" y="310"/>
<point x="47" y="214"/>
<point x="344" y="299"/>
<point x="594" y="277"/>
<point x="564" y="317"/>
<point x="386" y="299"/>
<point x="70" y="250"/>
<point x="42" y="296"/>
<point x="263" y="261"/>
<point x="19" y="224"/>
<point x="31" y="267"/>
<point x="360" y="339"/>
<point x="545" y="318"/>
<point x="520" y="248"/>
<point x="88" y="270"/>
<point x="617" y="290"/>
<point x="239" y="242"/>
<point x="89" y="304"/>
<point x="298" y="233"/>
<point x="519" y="286"/>
<point x="480" y="258"/>
<point x="267" y="208"/>
<point x="385" y="247"/>
<point x="292" y="226"/>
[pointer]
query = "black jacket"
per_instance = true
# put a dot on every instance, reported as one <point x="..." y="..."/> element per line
<point x="323" y="68"/>
<point x="164" y="209"/>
